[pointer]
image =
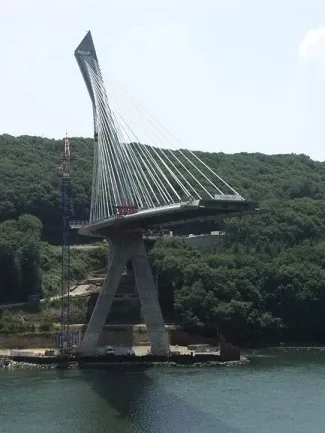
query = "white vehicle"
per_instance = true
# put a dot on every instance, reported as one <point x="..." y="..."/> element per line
<point x="109" y="350"/>
<point x="105" y="351"/>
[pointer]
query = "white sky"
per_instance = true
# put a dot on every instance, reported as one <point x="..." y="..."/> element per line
<point x="231" y="75"/>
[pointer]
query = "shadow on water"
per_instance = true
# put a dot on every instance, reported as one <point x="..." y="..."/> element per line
<point x="146" y="404"/>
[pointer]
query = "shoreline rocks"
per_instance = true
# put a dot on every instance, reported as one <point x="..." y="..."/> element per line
<point x="6" y="362"/>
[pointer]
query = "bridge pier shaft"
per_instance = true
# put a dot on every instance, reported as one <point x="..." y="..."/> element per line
<point x="126" y="246"/>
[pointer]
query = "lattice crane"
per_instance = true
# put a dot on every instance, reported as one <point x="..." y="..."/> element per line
<point x="65" y="187"/>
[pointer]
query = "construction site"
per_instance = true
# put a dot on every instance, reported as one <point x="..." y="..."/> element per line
<point x="139" y="193"/>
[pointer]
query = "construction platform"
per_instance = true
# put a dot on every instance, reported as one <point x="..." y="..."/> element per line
<point x="192" y="356"/>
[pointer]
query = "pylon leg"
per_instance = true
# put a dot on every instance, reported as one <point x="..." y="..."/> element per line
<point x="123" y="247"/>
<point x="118" y="256"/>
<point x="153" y="318"/>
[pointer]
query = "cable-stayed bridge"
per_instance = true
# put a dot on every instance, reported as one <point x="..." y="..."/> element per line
<point x="137" y="185"/>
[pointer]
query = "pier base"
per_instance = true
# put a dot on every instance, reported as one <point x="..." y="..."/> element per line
<point x="126" y="246"/>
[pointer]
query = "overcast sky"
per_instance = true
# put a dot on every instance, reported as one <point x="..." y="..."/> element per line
<point x="230" y="76"/>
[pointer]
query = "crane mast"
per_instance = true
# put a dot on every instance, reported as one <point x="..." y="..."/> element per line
<point x="65" y="188"/>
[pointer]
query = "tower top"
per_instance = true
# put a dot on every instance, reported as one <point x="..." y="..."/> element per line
<point x="85" y="53"/>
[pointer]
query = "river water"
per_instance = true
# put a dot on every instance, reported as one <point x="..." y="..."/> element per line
<point x="277" y="392"/>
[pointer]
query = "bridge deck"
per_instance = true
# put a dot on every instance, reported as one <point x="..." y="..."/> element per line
<point x="169" y="215"/>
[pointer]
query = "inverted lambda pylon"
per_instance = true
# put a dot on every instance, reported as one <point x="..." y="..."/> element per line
<point x="126" y="246"/>
<point x="112" y="186"/>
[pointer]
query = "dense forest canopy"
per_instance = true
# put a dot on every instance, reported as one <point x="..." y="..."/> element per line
<point x="29" y="182"/>
<point x="20" y="258"/>
<point x="264" y="280"/>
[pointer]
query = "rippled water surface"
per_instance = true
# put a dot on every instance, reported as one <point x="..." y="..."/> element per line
<point x="278" y="392"/>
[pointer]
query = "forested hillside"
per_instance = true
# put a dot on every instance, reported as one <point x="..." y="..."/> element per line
<point x="29" y="183"/>
<point x="265" y="280"/>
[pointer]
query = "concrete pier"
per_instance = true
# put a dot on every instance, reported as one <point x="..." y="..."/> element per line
<point x="124" y="246"/>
